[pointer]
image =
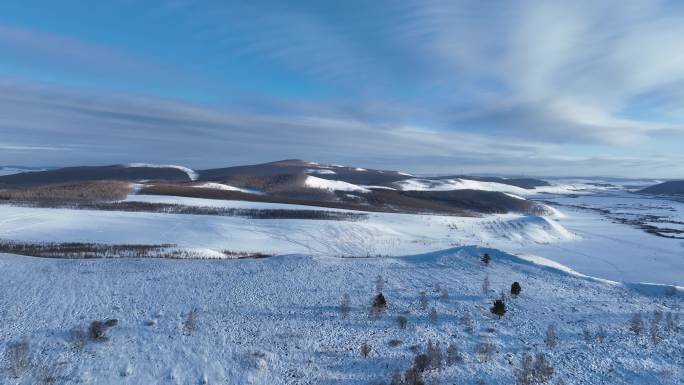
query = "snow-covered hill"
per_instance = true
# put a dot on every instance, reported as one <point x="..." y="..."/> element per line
<point x="380" y="234"/>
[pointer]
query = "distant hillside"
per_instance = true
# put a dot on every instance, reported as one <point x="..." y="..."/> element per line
<point x="526" y="183"/>
<point x="86" y="174"/>
<point x="298" y="181"/>
<point x="674" y="187"/>
<point x="9" y="170"/>
<point x="355" y="175"/>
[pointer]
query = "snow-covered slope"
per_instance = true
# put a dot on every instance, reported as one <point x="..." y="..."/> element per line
<point x="277" y="321"/>
<point x="582" y="240"/>
<point x="331" y="185"/>
<point x="225" y="187"/>
<point x="192" y="174"/>
<point x="381" y="234"/>
<point x="10" y="170"/>
<point x="420" y="184"/>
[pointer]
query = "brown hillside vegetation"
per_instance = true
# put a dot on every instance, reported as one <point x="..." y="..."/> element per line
<point x="86" y="191"/>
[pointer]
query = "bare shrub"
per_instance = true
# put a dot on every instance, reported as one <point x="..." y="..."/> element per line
<point x="394" y="343"/>
<point x="433" y="316"/>
<point x="671" y="323"/>
<point x="78" y="338"/>
<point x="345" y="305"/>
<point x="485" y="350"/>
<point x="423" y="300"/>
<point x="402" y="321"/>
<point x="396" y="378"/>
<point x="190" y="322"/>
<point x="485" y="259"/>
<point x="18" y="358"/>
<point x="47" y="375"/>
<point x="654" y="329"/>
<point x="434" y="353"/>
<point x="453" y="356"/>
<point x="413" y="377"/>
<point x="437" y="288"/>
<point x="542" y="368"/>
<point x="550" y="338"/>
<point x="525" y="374"/>
<point x="444" y="295"/>
<point x="657" y="316"/>
<point x="421" y="362"/>
<point x="636" y="324"/>
<point x="601" y="334"/>
<point x="85" y="191"/>
<point x="97" y="331"/>
<point x="379" y="283"/>
<point x="485" y="285"/>
<point x="537" y="371"/>
<point x="365" y="349"/>
<point x="586" y="334"/>
<point x="468" y="323"/>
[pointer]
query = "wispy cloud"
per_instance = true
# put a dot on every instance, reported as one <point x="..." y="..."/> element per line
<point x="562" y="71"/>
<point x="58" y="48"/>
<point x="106" y="128"/>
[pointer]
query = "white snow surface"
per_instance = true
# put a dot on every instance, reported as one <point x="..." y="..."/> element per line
<point x="16" y="170"/>
<point x="418" y="184"/>
<point x="331" y="185"/>
<point x="380" y="234"/>
<point x="192" y="174"/>
<point x="583" y="240"/>
<point x="320" y="171"/>
<point x="225" y="187"/>
<point x="276" y="321"/>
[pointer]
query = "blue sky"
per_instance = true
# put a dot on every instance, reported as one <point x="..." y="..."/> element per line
<point x="510" y="87"/>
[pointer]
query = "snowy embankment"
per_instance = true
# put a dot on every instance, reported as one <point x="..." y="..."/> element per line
<point x="582" y="240"/>
<point x="379" y="234"/>
<point x="278" y="321"/>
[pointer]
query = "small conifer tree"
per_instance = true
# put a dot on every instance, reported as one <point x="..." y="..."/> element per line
<point x="499" y="308"/>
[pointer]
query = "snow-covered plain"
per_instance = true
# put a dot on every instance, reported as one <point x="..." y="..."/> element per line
<point x="276" y="321"/>
<point x="609" y="248"/>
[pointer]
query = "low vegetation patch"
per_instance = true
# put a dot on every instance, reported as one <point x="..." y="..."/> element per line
<point x="79" y="250"/>
<point x="170" y="208"/>
<point x="87" y="191"/>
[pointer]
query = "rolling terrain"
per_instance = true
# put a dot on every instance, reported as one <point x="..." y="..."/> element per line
<point x="269" y="274"/>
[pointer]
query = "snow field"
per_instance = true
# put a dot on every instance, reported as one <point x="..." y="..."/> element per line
<point x="276" y="320"/>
